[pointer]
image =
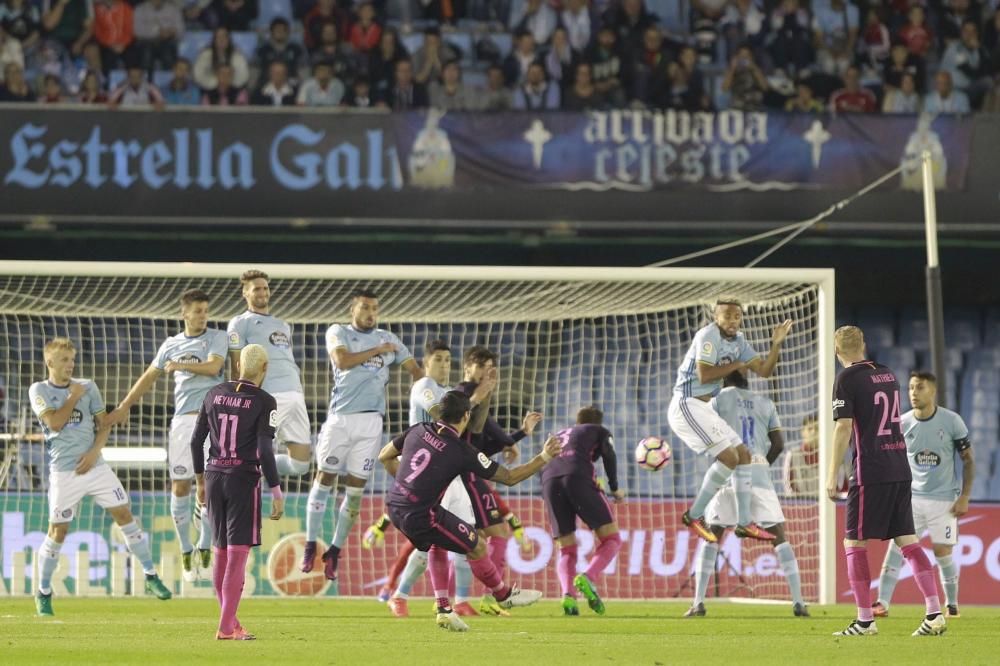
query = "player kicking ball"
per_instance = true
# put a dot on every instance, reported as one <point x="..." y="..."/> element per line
<point x="424" y="460"/>
<point x="935" y="436"/>
<point x="717" y="350"/>
<point x="757" y="417"/>
<point x="239" y="419"/>
<point x="74" y="424"/>
<point x="879" y="501"/>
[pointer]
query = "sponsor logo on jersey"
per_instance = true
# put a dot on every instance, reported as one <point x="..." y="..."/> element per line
<point x="375" y="362"/>
<point x="837" y="404"/>
<point x="926" y="459"/>
<point x="187" y="358"/>
<point x="180" y="469"/>
<point x="332" y="460"/>
<point x="39" y="401"/>
<point x="706" y="349"/>
<point x="725" y="360"/>
<point x="234" y="338"/>
<point x="428" y="395"/>
<point x="67" y="513"/>
<point x="483" y="460"/>
<point x="75" y="418"/>
<point x="278" y="339"/>
<point x="272" y="419"/>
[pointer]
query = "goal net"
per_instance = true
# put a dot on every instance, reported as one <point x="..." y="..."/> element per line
<point x="566" y="338"/>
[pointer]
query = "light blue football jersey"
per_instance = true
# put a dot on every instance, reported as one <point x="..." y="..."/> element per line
<point x="932" y="446"/>
<point x="362" y="388"/>
<point x="275" y="336"/>
<point x="752" y="416"/>
<point x="77" y="436"/>
<point x="189" y="388"/>
<point x="424" y="394"/>
<point x="709" y="346"/>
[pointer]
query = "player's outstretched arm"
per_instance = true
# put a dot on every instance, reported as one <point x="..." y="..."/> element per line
<point x="610" y="460"/>
<point x="412" y="367"/>
<point x="961" y="506"/>
<point x="134" y="395"/>
<point x="102" y="429"/>
<point x="209" y="368"/>
<point x="766" y="367"/>
<point x="389" y="457"/>
<point x="841" y="440"/>
<point x="777" y="445"/>
<point x="234" y="364"/>
<point x="511" y="477"/>
<point x="709" y="372"/>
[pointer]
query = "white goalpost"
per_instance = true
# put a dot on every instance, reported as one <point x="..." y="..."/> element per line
<point x="566" y="338"/>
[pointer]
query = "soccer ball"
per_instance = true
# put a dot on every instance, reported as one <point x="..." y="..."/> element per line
<point x="652" y="453"/>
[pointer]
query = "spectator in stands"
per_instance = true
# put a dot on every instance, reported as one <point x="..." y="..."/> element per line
<point x="744" y="23"/>
<point x="360" y="96"/>
<point x="497" y="96"/>
<point x="944" y="98"/>
<point x="405" y="93"/>
<point x="52" y="92"/>
<point x="277" y="90"/>
<point x="323" y="89"/>
<point x="706" y="23"/>
<point x="15" y="88"/>
<point x="575" y="17"/>
<point x="21" y="21"/>
<point x="158" y="27"/>
<point x="561" y="60"/>
<point x="536" y="17"/>
<point x="686" y="87"/>
<point x="991" y="38"/>
<point x="90" y="89"/>
<point x="382" y="61"/>
<point x="332" y="51"/>
<point x="515" y="65"/>
<point x="225" y="93"/>
<point x="198" y="12"/>
<point x="583" y="95"/>
<point x="650" y="75"/>
<point x="853" y="98"/>
<point x="836" y="27"/>
<point x="323" y="12"/>
<point x="90" y="60"/>
<point x="629" y="20"/>
<point x="968" y="63"/>
<point x="904" y="99"/>
<point x="801" y="465"/>
<point x="220" y="51"/>
<point x="901" y="62"/>
<point x="804" y="100"/>
<point x="791" y="38"/>
<point x="606" y="65"/>
<point x="113" y="30"/>
<point x="181" y="91"/>
<point x="235" y="15"/>
<point x="874" y="44"/>
<point x="450" y="93"/>
<point x="279" y="48"/>
<point x="916" y="34"/>
<point x="956" y="14"/>
<point x="445" y="12"/>
<point x="745" y="82"/>
<point x="68" y="22"/>
<point x="537" y="93"/>
<point x="429" y="59"/>
<point x="136" y="91"/>
<point x="10" y="52"/>
<point x="366" y="33"/>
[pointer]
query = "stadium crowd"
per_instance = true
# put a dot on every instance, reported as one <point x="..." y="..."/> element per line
<point x="894" y="56"/>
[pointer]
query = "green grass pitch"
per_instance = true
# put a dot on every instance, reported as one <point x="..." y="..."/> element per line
<point x="341" y="631"/>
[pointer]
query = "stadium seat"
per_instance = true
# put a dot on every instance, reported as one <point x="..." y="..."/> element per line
<point x="913" y="331"/>
<point x="504" y="42"/>
<point x="963" y="330"/>
<point x="192" y="42"/>
<point x="994" y="489"/>
<point x="981" y="488"/>
<point x="900" y="359"/>
<point x="984" y="420"/>
<point x="162" y="78"/>
<point x="463" y="43"/>
<point x="116" y="78"/>
<point x="272" y="9"/>
<point x="878" y="326"/>
<point x="674" y="15"/>
<point x="246" y="42"/>
<point x="988" y="357"/>
<point x="412" y="41"/>
<point x="109" y="342"/>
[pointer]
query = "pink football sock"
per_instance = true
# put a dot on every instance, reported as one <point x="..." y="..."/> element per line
<point x="861" y="581"/>
<point x="437" y="564"/>
<point x="923" y="574"/>
<point x="487" y="573"/>
<point x="605" y="552"/>
<point x="497" y="551"/>
<point x="566" y="568"/>
<point x="219" y="572"/>
<point x="232" y="586"/>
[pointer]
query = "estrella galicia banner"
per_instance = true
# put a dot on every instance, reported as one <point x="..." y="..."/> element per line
<point x="241" y="164"/>
<point x="642" y="150"/>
